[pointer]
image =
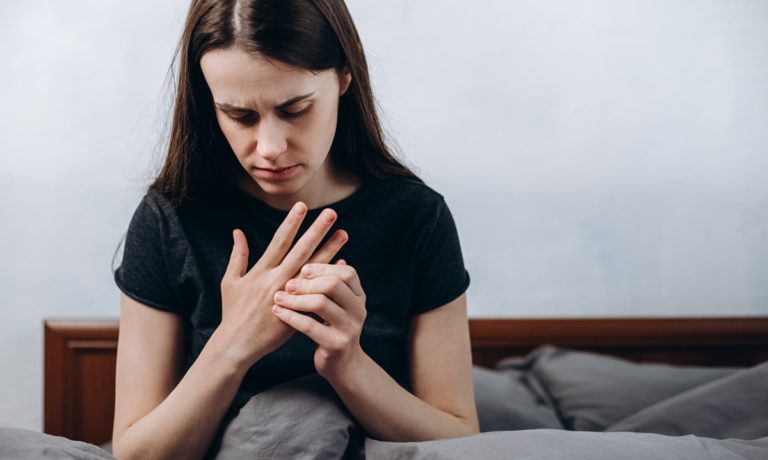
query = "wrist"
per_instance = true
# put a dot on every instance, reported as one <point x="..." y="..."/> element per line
<point x="347" y="372"/>
<point x="228" y="353"/>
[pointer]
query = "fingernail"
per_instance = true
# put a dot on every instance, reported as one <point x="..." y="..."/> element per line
<point x="292" y="285"/>
<point x="298" y="208"/>
<point x="328" y="215"/>
<point x="280" y="297"/>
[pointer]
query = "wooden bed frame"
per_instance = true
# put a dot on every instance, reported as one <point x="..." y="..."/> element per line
<point x="80" y="355"/>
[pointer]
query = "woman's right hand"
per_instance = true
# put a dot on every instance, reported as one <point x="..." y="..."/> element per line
<point x="247" y="322"/>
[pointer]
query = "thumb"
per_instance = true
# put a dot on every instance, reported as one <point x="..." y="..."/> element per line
<point x="238" y="260"/>
<point x="341" y="262"/>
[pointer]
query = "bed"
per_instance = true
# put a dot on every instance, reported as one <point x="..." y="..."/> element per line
<point x="80" y="359"/>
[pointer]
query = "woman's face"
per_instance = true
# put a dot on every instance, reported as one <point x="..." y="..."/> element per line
<point x="278" y="119"/>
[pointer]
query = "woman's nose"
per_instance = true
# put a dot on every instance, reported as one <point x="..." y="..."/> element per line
<point x="270" y="140"/>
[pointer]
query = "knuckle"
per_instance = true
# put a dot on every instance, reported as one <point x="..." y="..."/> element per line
<point x="362" y="313"/>
<point x="304" y="285"/>
<point x="342" y="341"/>
<point x="331" y="283"/>
<point x="280" y="240"/>
<point x="320" y="303"/>
<point x="349" y="273"/>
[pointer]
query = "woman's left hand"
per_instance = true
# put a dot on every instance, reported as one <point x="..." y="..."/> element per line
<point x="334" y="296"/>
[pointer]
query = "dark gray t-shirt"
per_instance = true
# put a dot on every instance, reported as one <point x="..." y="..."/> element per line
<point x="402" y="242"/>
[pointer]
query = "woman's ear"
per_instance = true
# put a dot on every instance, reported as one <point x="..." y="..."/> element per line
<point x="345" y="79"/>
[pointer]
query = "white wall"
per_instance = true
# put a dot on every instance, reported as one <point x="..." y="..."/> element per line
<point x="601" y="158"/>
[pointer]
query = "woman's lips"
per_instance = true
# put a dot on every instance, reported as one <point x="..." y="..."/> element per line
<point x="279" y="173"/>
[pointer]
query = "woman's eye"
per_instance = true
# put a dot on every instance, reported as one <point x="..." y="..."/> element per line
<point x="296" y="114"/>
<point x="251" y="119"/>
<point x="246" y="120"/>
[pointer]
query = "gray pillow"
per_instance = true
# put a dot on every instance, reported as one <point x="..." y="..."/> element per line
<point x="733" y="407"/>
<point x="505" y="402"/>
<point x="591" y="391"/>
<point x="300" y="419"/>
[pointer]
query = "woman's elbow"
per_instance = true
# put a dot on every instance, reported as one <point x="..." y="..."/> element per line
<point x="470" y="425"/>
<point x="122" y="451"/>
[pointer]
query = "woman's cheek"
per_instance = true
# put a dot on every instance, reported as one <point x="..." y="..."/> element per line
<point x="240" y="142"/>
<point x="324" y="128"/>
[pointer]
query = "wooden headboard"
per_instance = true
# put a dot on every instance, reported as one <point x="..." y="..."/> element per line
<point x="80" y="355"/>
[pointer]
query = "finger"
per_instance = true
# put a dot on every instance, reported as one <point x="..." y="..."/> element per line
<point x="330" y="248"/>
<point x="284" y="236"/>
<point x="305" y="247"/>
<point x="318" y="304"/>
<point x="330" y="286"/>
<point x="321" y="334"/>
<point x="347" y="273"/>
<point x="238" y="259"/>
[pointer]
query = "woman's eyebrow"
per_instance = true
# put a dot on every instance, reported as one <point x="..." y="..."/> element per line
<point x="282" y="105"/>
<point x="294" y="100"/>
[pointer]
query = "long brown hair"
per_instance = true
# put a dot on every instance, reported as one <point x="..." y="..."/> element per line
<point x="314" y="35"/>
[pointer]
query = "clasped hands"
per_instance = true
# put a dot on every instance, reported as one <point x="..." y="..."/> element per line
<point x="307" y="293"/>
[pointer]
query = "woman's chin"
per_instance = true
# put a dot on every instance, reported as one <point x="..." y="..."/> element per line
<point x="282" y="188"/>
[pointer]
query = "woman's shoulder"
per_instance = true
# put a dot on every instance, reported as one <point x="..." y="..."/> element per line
<point x="155" y="201"/>
<point x="163" y="205"/>
<point x="155" y="210"/>
<point x="404" y="202"/>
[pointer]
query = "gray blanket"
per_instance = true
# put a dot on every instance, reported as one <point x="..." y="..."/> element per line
<point x="695" y="410"/>
<point x="568" y="445"/>
<point x="304" y="419"/>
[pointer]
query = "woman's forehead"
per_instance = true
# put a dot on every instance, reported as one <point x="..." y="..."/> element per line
<point x="238" y="77"/>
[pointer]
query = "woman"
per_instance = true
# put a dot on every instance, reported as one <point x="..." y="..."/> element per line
<point x="275" y="138"/>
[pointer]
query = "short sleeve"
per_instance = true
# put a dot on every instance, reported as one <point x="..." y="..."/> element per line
<point x="440" y="273"/>
<point x="143" y="274"/>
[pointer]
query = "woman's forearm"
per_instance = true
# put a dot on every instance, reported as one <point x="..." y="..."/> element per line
<point x="184" y="424"/>
<point x="389" y="412"/>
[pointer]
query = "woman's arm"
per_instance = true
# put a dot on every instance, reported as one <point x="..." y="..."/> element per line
<point x="442" y="404"/>
<point x="158" y="414"/>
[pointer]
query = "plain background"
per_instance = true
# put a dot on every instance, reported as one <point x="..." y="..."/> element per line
<point x="601" y="158"/>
